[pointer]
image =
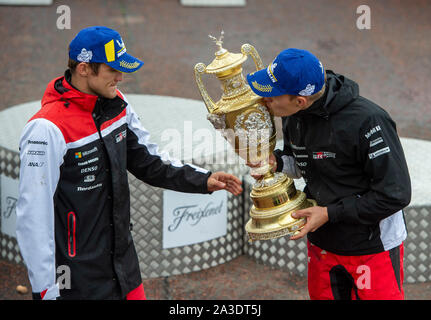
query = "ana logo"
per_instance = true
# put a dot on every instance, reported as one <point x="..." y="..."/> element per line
<point x="323" y="155"/>
<point x="36" y="164"/>
<point x="120" y="136"/>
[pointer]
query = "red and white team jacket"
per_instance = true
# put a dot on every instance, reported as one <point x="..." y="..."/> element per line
<point x="74" y="203"/>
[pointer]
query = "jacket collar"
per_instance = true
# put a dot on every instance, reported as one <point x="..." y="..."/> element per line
<point x="69" y="92"/>
<point x="339" y="92"/>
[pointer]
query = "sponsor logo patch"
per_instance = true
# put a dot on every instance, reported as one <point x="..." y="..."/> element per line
<point x="300" y="155"/>
<point x="88" y="161"/>
<point x="90" y="178"/>
<point x="376" y="141"/>
<point x="80" y="154"/>
<point x="89" y="188"/>
<point x="89" y="169"/>
<point x="379" y="153"/>
<point x="36" y="164"/>
<point x="129" y="65"/>
<point x="270" y="71"/>
<point x="36" y="153"/>
<point x="323" y="155"/>
<point x="37" y="142"/>
<point x="120" y="136"/>
<point x="308" y="90"/>
<point x="262" y="88"/>
<point x="372" y="131"/>
<point x="301" y="164"/>
<point x="86" y="153"/>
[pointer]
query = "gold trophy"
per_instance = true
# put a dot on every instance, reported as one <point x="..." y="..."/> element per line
<point x="247" y="124"/>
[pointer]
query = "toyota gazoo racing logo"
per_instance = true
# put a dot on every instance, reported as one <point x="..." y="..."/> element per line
<point x="120" y="136"/>
<point x="323" y="155"/>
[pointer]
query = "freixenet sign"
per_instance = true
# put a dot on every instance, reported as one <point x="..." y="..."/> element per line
<point x="193" y="218"/>
<point x="9" y="190"/>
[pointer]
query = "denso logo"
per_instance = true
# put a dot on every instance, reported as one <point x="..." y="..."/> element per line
<point x="89" y="169"/>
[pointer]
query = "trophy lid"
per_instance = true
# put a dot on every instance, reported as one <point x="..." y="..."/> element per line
<point x="224" y="59"/>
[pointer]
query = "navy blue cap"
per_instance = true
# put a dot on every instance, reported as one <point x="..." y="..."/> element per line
<point x="103" y="45"/>
<point x="294" y="71"/>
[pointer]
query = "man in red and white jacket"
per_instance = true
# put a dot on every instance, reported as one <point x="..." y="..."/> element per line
<point x="74" y="203"/>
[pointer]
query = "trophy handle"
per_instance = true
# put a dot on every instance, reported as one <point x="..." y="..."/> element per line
<point x="199" y="69"/>
<point x="249" y="50"/>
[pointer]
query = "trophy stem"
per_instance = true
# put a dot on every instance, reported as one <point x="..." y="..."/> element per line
<point x="265" y="172"/>
<point x="268" y="175"/>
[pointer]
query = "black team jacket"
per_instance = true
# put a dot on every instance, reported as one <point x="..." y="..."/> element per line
<point x="350" y="156"/>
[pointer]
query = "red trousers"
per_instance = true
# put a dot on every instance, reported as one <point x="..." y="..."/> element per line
<point x="137" y="294"/>
<point x="367" y="277"/>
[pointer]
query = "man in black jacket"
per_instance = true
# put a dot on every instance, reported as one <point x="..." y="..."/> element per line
<point x="348" y="152"/>
<point x="76" y="151"/>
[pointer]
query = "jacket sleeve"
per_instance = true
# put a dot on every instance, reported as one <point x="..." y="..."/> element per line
<point x="157" y="169"/>
<point x="385" y="166"/>
<point x="41" y="153"/>
<point x="286" y="161"/>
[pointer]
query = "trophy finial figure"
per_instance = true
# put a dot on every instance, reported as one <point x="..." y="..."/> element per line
<point x="219" y="43"/>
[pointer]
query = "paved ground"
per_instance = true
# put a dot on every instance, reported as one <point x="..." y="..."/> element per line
<point x="240" y="279"/>
<point x="390" y="62"/>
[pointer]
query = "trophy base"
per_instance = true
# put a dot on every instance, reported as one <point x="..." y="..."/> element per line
<point x="274" y="203"/>
<point x="271" y="230"/>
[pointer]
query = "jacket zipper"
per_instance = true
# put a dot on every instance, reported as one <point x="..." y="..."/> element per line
<point x="71" y="234"/>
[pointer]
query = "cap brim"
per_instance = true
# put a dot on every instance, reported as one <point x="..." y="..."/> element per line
<point x="126" y="63"/>
<point x="262" y="85"/>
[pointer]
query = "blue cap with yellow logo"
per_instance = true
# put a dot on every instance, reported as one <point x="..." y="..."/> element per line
<point x="103" y="45"/>
<point x="294" y="71"/>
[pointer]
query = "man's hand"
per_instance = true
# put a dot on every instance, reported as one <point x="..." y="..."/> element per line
<point x="272" y="162"/>
<point x="316" y="217"/>
<point x="221" y="180"/>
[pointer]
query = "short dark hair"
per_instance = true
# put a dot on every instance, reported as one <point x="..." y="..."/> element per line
<point x="93" y="65"/>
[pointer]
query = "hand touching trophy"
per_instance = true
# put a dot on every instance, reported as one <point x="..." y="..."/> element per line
<point x="246" y="123"/>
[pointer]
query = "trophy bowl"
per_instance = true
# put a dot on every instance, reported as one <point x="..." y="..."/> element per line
<point x="246" y="123"/>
